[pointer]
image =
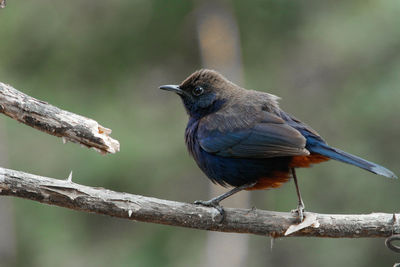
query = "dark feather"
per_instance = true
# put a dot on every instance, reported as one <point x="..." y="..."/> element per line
<point x="261" y="135"/>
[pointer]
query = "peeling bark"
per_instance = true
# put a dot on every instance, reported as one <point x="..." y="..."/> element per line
<point x="52" y="120"/>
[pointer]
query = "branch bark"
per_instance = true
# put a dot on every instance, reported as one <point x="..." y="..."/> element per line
<point x="52" y="120"/>
<point x="70" y="195"/>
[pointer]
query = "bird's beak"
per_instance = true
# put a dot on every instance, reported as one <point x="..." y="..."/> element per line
<point x="172" y="88"/>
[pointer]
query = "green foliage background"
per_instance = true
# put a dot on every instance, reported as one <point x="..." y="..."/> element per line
<point x="335" y="64"/>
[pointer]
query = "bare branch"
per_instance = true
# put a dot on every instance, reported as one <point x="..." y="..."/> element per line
<point x="134" y="207"/>
<point x="52" y="120"/>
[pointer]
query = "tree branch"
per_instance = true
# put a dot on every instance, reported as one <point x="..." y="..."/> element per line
<point x="134" y="207"/>
<point x="52" y="120"/>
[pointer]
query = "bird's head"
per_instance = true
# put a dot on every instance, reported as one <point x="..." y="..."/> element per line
<point x="203" y="92"/>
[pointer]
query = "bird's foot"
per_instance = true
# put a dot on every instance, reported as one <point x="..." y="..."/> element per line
<point x="213" y="204"/>
<point x="299" y="211"/>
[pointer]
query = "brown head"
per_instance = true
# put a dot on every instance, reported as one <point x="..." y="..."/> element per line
<point x="203" y="92"/>
<point x="206" y="91"/>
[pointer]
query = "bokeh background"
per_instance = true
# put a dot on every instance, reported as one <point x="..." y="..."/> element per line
<point x="336" y="66"/>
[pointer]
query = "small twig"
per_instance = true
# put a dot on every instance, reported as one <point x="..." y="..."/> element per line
<point x="52" y="120"/>
<point x="123" y="205"/>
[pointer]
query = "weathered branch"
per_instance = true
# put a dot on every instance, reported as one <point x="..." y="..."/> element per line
<point x="134" y="207"/>
<point x="52" y="120"/>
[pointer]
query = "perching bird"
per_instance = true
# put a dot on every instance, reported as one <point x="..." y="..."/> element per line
<point x="242" y="138"/>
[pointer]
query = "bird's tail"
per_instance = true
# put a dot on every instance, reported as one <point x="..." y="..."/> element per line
<point x="345" y="157"/>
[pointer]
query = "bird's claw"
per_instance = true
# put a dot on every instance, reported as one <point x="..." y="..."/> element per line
<point x="299" y="211"/>
<point x="212" y="204"/>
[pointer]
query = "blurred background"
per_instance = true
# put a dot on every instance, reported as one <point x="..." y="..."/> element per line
<point x="336" y="66"/>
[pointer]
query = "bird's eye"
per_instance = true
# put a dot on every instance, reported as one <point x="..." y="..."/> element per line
<point x="198" y="90"/>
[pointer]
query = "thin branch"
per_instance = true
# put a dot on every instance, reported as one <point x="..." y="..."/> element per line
<point x="52" y="120"/>
<point x="134" y="207"/>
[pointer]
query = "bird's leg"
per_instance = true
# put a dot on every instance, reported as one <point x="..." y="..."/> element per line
<point x="214" y="202"/>
<point x="300" y="206"/>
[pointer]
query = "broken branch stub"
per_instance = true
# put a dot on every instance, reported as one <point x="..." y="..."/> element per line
<point x="52" y="120"/>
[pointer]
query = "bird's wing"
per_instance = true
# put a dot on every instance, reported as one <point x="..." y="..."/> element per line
<point x="262" y="136"/>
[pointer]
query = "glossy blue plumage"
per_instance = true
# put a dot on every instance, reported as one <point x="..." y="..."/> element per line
<point x="231" y="171"/>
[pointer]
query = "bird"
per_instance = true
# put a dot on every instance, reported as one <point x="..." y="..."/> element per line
<point x="241" y="138"/>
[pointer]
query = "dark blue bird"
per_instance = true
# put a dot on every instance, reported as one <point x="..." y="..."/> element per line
<point x="241" y="138"/>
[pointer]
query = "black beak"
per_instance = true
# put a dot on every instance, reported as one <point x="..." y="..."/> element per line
<point x="172" y="88"/>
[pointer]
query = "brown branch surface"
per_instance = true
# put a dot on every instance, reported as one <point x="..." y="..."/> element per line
<point x="52" y="120"/>
<point x="134" y="207"/>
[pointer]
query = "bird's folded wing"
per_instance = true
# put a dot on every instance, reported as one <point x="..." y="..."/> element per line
<point x="267" y="136"/>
